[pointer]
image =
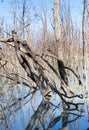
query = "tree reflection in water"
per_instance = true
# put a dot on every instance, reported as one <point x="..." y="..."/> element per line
<point x="45" y="114"/>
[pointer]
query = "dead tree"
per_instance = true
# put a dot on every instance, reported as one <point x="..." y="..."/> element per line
<point x="45" y="77"/>
<point x="33" y="65"/>
<point x="56" y="21"/>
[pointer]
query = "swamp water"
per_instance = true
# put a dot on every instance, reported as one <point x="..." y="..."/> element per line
<point x="18" y="105"/>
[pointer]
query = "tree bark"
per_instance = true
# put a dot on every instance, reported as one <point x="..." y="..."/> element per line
<point x="56" y="21"/>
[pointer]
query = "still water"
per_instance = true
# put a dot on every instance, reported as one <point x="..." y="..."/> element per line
<point x="18" y="105"/>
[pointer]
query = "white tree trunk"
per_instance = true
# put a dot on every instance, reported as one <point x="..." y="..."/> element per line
<point x="57" y="30"/>
<point x="56" y="21"/>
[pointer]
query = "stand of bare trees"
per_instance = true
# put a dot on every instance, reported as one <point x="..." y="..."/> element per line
<point x="49" y="66"/>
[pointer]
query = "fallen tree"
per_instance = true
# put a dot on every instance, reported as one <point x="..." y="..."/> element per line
<point x="43" y="75"/>
<point x="40" y="71"/>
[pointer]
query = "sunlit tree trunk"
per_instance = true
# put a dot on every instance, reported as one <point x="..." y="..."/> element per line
<point x="57" y="30"/>
<point x="84" y="47"/>
<point x="56" y="21"/>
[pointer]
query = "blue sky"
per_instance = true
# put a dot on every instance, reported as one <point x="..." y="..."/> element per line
<point x="76" y="9"/>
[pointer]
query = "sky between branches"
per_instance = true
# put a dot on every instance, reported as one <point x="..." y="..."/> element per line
<point x="76" y="9"/>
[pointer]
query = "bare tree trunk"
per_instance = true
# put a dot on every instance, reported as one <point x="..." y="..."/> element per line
<point x="56" y="21"/>
<point x="83" y="35"/>
<point x="57" y="37"/>
<point x="83" y="40"/>
<point x="43" y="17"/>
<point x="23" y="15"/>
<point x="57" y="30"/>
<point x="87" y="51"/>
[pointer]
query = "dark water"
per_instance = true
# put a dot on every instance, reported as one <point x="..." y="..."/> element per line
<point x="17" y="110"/>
